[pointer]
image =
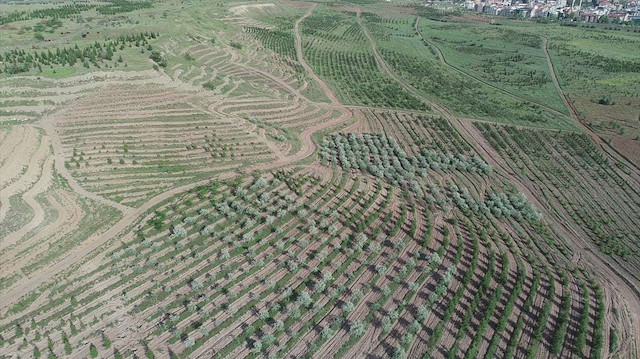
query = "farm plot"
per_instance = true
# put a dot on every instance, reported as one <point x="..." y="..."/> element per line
<point x="599" y="70"/>
<point x="27" y="98"/>
<point x="416" y="131"/>
<point x="582" y="186"/>
<point x="264" y="217"/>
<point x="465" y="96"/>
<point x="293" y="265"/>
<point x="337" y="50"/>
<point x="506" y="57"/>
<point x="143" y="141"/>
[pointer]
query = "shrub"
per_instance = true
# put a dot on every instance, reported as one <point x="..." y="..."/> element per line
<point x="209" y="85"/>
<point x="606" y="100"/>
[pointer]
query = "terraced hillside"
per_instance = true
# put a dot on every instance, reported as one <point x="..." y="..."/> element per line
<point x="309" y="180"/>
<point x="40" y="213"/>
<point x="144" y="141"/>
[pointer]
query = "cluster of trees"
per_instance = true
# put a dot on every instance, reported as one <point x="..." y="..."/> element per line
<point x="512" y="205"/>
<point x="66" y="11"/>
<point x="498" y="204"/>
<point x="158" y="58"/>
<point x="382" y="157"/>
<point x="16" y="61"/>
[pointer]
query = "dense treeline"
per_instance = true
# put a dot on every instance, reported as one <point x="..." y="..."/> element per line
<point x="61" y="12"/>
<point x="66" y="11"/>
<point x="280" y="42"/>
<point x="17" y="61"/>
<point x="123" y="6"/>
<point x="500" y="205"/>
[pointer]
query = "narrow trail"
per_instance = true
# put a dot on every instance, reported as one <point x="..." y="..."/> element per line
<point x="554" y="77"/>
<point x="25" y="177"/>
<point x="29" y="197"/>
<point x="389" y="71"/>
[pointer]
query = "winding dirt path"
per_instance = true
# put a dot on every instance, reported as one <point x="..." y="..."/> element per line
<point x="325" y="88"/>
<point x="29" y="197"/>
<point x="554" y="77"/>
<point x="389" y="71"/>
<point x="455" y="68"/>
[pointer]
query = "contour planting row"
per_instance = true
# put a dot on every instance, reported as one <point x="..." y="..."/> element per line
<point x="415" y="132"/>
<point x="117" y="156"/>
<point x="176" y="233"/>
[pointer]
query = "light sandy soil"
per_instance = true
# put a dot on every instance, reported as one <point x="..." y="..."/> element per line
<point x="32" y="152"/>
<point x="69" y="214"/>
<point x="42" y="184"/>
<point x="243" y="9"/>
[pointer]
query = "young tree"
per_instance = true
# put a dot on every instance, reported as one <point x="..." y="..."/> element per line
<point x="106" y="343"/>
<point x="93" y="351"/>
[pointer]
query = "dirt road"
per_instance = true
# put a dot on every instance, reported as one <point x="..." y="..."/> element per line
<point x="575" y="114"/>
<point x="451" y="66"/>
<point x="296" y="29"/>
